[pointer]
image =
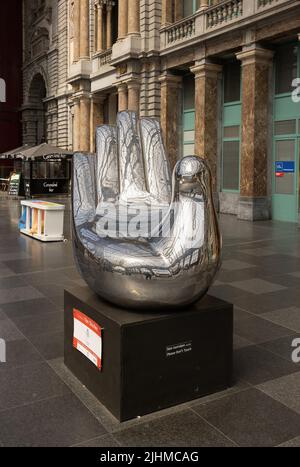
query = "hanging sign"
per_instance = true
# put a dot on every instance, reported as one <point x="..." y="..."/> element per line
<point x="87" y="337"/>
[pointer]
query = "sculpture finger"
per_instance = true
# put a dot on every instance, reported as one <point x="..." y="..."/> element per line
<point x="157" y="167"/>
<point x="84" y="192"/>
<point x="131" y="166"/>
<point x="107" y="183"/>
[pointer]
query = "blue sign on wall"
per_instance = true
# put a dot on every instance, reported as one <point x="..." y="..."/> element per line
<point x="285" y="166"/>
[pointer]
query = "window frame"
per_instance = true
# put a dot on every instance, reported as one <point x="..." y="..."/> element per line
<point x="194" y="7"/>
<point x="187" y="111"/>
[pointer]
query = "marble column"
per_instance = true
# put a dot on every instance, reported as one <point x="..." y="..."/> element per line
<point x="133" y="95"/>
<point x="256" y="88"/>
<point x="85" y="104"/>
<point x="207" y="78"/>
<point x="76" y="125"/>
<point x="109" y="7"/>
<point x="123" y="19"/>
<point x="97" y="118"/>
<point x="84" y="29"/>
<point x="100" y="27"/>
<point x="122" y="97"/>
<point x="170" y="113"/>
<point x="76" y="30"/>
<point x="166" y="12"/>
<point x="133" y="17"/>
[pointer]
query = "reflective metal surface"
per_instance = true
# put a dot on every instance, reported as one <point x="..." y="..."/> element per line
<point x="143" y="238"/>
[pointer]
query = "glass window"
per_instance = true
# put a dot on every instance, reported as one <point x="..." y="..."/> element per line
<point x="189" y="92"/>
<point x="286" y="68"/>
<point x="188" y="115"/>
<point x="39" y="170"/>
<point x="26" y="170"/>
<point x="285" y="127"/>
<point x="231" y="165"/>
<point x="57" y="170"/>
<point x="232" y="131"/>
<point x="190" y="7"/>
<point x="232" y="82"/>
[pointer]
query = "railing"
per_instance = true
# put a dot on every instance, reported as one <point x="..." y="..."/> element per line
<point x="211" y="19"/>
<point x="262" y="3"/>
<point x="104" y="58"/>
<point x="224" y="13"/>
<point x="180" y="31"/>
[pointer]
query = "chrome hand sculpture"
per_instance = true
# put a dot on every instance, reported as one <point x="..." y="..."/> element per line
<point x="143" y="238"/>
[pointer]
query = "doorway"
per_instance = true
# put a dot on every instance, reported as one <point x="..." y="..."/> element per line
<point x="286" y="179"/>
<point x="286" y="136"/>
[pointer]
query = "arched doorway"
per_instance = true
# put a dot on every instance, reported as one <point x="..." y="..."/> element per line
<point x="34" y="115"/>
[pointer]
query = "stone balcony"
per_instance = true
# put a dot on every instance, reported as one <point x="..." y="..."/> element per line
<point x="80" y="70"/>
<point x="210" y="21"/>
<point x="101" y="61"/>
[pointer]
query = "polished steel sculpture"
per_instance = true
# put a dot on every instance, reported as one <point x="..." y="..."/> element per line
<point x="143" y="238"/>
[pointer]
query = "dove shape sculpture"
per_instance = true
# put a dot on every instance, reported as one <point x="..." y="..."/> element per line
<point x="143" y="238"/>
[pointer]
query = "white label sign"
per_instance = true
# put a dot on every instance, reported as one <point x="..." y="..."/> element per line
<point x="87" y="337"/>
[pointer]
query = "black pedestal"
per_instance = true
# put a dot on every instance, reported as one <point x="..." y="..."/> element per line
<point x="151" y="361"/>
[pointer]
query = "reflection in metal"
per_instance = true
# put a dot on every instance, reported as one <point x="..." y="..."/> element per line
<point x="143" y="238"/>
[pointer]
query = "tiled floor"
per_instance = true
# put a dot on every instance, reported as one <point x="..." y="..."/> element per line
<point x="41" y="403"/>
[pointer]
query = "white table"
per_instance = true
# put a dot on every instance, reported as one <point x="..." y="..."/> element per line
<point x="43" y="220"/>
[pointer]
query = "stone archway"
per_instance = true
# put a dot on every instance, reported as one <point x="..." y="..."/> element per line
<point x="34" y="113"/>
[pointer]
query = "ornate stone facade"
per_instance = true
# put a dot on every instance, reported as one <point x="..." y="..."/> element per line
<point x="86" y="59"/>
<point x="45" y="72"/>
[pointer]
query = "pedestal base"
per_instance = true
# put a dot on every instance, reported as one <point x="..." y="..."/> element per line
<point x="149" y="360"/>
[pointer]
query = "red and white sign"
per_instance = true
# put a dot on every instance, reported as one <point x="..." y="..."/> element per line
<point x="279" y="174"/>
<point x="87" y="337"/>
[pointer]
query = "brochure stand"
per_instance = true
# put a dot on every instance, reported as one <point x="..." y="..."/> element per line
<point x="42" y="220"/>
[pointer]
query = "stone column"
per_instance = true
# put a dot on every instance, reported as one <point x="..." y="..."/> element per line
<point x="109" y="7"/>
<point x="85" y="104"/>
<point x="133" y="95"/>
<point x="170" y="113"/>
<point x="203" y="4"/>
<point x="207" y="77"/>
<point x="256" y="83"/>
<point x="133" y="17"/>
<point x="97" y="118"/>
<point x="122" y="97"/>
<point x="76" y="126"/>
<point x="76" y="29"/>
<point x="84" y="29"/>
<point x="123" y="19"/>
<point x="100" y="27"/>
<point x="166" y="12"/>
